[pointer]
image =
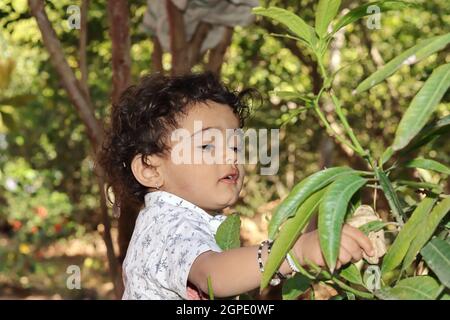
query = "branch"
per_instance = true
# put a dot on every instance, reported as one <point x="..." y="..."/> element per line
<point x="195" y="44"/>
<point x="118" y="14"/>
<point x="157" y="55"/>
<point x="82" y="50"/>
<point x="290" y="44"/>
<point x="217" y="54"/>
<point x="178" y="43"/>
<point x="66" y="74"/>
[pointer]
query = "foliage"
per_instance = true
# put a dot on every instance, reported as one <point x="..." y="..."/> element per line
<point x="426" y="220"/>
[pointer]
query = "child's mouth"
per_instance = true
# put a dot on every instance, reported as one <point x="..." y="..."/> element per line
<point x="231" y="178"/>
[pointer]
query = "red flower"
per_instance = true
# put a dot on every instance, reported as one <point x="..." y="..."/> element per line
<point x="58" y="227"/>
<point x="41" y="212"/>
<point x="34" y="229"/>
<point x="16" y="224"/>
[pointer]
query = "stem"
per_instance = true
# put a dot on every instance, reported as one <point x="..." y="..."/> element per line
<point x="424" y="185"/>
<point x="356" y="292"/>
<point x="327" y="125"/>
<point x="347" y="127"/>
<point x="302" y="270"/>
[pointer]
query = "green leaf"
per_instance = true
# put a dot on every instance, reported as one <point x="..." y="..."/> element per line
<point x="288" y="235"/>
<point x="437" y="256"/>
<point x="415" y="288"/>
<point x="362" y="11"/>
<point x="373" y="226"/>
<point x="426" y="231"/>
<point x="325" y="12"/>
<point x="390" y="195"/>
<point x="428" y="164"/>
<point x="301" y="192"/>
<point x="332" y="212"/>
<point x="228" y="233"/>
<point x="430" y="132"/>
<point x="210" y="289"/>
<point x="352" y="274"/>
<point x="445" y="296"/>
<point x="293" y="22"/>
<point x="387" y="154"/>
<point x="420" y="51"/>
<point x="422" y="106"/>
<point x="399" y="248"/>
<point x="291" y="95"/>
<point x="295" y="286"/>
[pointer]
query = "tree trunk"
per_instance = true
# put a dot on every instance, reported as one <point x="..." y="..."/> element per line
<point x="79" y="96"/>
<point x="118" y="14"/>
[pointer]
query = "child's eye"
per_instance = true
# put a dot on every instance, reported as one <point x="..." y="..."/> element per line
<point x="207" y="146"/>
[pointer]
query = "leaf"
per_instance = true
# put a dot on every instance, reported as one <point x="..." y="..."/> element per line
<point x="428" y="133"/>
<point x="295" y="286"/>
<point x="210" y="289"/>
<point x="362" y="11"/>
<point x="288" y="235"/>
<point x="352" y="274"/>
<point x="373" y="226"/>
<point x="420" y="51"/>
<point x="325" y="12"/>
<point x="390" y="195"/>
<point x="426" y="231"/>
<point x="332" y="212"/>
<point x="428" y="165"/>
<point x="387" y="154"/>
<point x="437" y="256"/>
<point x="228" y="233"/>
<point x="422" y="106"/>
<point x="291" y="95"/>
<point x="293" y="22"/>
<point x="399" y="248"/>
<point x="415" y="288"/>
<point x="301" y="192"/>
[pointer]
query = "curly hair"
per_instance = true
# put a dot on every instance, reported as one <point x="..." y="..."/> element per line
<point x="145" y="116"/>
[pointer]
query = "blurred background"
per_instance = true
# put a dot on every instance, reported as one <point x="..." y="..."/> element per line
<point x="62" y="64"/>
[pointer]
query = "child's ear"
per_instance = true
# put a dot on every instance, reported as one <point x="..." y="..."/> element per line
<point x="147" y="172"/>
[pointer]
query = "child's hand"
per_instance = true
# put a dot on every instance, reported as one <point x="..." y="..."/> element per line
<point x="353" y="241"/>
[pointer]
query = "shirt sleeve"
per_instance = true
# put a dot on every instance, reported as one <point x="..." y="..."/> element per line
<point x="188" y="239"/>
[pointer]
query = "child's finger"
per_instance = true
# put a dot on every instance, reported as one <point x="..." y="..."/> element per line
<point x="344" y="256"/>
<point x="362" y="240"/>
<point x="352" y="247"/>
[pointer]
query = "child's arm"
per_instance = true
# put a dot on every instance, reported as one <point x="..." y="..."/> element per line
<point x="236" y="271"/>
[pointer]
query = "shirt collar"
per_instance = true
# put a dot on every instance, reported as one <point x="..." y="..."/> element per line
<point x="158" y="198"/>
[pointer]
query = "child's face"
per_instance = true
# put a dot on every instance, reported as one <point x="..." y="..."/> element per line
<point x="201" y="182"/>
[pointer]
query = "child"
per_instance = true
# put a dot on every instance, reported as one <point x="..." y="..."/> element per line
<point x="173" y="251"/>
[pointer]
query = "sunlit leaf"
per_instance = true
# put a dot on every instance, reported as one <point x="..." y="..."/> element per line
<point x="332" y="212"/>
<point x="398" y="249"/>
<point x="426" y="231"/>
<point x="420" y="51"/>
<point x="228" y="233"/>
<point x="422" y="106"/>
<point x="325" y="12"/>
<point x="289" y="234"/>
<point x="301" y="192"/>
<point x="428" y="164"/>
<point x="293" y="22"/>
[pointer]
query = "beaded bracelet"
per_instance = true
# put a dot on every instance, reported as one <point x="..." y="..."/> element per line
<point x="278" y="275"/>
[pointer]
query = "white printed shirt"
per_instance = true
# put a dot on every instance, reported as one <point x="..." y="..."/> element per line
<point x="170" y="233"/>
